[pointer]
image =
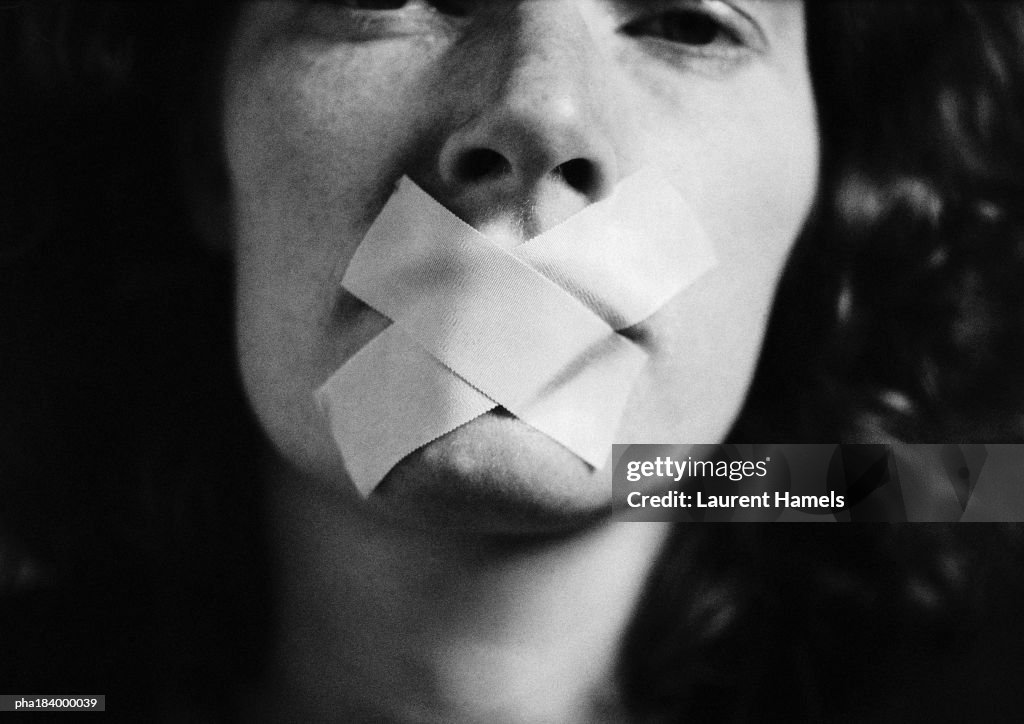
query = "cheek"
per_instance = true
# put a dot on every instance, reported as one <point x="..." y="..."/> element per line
<point x="750" y="168"/>
<point x="308" y="176"/>
<point x="746" y="158"/>
<point x="767" y="182"/>
<point x="309" y="149"/>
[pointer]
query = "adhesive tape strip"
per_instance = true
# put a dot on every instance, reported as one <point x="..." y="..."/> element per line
<point x="532" y="329"/>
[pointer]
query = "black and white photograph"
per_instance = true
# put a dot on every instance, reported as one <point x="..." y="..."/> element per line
<point x="330" y="331"/>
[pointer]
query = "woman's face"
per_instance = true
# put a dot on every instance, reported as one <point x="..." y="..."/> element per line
<point x="328" y="104"/>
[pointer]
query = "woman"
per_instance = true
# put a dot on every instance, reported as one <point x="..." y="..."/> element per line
<point x="160" y="522"/>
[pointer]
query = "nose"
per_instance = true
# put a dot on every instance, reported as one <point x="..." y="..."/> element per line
<point x="530" y="141"/>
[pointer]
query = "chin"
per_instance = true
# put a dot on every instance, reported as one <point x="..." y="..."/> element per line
<point x="495" y="476"/>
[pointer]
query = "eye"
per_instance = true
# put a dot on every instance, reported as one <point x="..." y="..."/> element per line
<point x="702" y="28"/>
<point x="448" y="7"/>
<point x="372" y="4"/>
<point x="370" y="20"/>
<point x="689" y="27"/>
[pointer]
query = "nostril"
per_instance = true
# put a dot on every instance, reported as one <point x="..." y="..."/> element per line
<point x="579" y="173"/>
<point x="481" y="163"/>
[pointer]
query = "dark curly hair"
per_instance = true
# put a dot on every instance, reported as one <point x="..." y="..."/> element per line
<point x="911" y="329"/>
<point x="131" y="535"/>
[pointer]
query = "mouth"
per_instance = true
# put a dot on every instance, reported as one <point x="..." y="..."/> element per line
<point x="476" y="325"/>
<point x="639" y="334"/>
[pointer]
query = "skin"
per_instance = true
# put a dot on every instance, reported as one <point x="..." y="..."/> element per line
<point x="397" y="608"/>
<point x="326" y="106"/>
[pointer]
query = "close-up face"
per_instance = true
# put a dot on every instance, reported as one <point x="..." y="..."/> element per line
<point x="514" y="115"/>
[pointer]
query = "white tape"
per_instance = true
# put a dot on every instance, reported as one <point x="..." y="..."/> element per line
<point x="532" y="329"/>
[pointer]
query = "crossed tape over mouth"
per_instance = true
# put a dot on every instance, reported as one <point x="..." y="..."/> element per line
<point x="532" y="329"/>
